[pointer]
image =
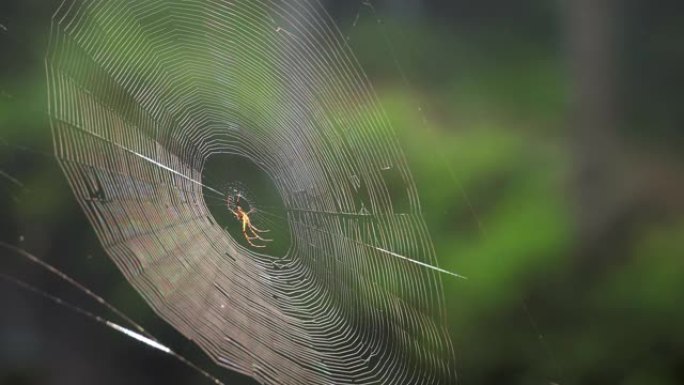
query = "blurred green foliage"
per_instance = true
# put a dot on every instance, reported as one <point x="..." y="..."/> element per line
<point x="484" y="123"/>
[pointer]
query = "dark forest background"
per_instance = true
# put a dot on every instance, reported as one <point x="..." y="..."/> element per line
<point x="563" y="125"/>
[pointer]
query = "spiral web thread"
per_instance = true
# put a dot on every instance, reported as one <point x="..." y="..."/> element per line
<point x="142" y="93"/>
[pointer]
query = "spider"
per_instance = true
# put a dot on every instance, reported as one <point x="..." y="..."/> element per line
<point x="243" y="217"/>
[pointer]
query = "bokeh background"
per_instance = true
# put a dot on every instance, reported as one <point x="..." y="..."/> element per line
<point x="546" y="140"/>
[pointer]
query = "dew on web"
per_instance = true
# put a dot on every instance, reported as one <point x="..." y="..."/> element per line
<point x="145" y="96"/>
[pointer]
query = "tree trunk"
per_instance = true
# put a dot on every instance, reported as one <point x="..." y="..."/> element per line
<point x="593" y="121"/>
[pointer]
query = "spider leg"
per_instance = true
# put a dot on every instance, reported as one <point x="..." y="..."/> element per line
<point x="256" y="235"/>
<point x="247" y="228"/>
<point x="249" y="240"/>
<point x="254" y="228"/>
<point x="234" y="213"/>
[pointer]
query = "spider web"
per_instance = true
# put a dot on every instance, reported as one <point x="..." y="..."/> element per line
<point x="143" y="93"/>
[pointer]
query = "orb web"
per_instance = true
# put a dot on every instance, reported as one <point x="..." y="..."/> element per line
<point x="143" y="93"/>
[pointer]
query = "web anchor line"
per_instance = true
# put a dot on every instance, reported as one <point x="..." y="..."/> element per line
<point x="380" y="249"/>
<point x="143" y="336"/>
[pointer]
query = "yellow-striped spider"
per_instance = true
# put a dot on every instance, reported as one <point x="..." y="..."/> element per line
<point x="243" y="217"/>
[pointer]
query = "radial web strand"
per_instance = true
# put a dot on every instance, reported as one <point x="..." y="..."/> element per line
<point x="144" y="95"/>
